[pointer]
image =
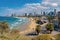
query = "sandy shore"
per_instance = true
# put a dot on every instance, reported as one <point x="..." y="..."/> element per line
<point x="30" y="27"/>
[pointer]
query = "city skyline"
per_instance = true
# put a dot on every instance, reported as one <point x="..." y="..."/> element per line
<point x="7" y="7"/>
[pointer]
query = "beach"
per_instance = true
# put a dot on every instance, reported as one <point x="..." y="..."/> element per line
<point x="29" y="27"/>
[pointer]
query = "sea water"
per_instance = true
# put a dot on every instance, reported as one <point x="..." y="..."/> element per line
<point x="14" y="21"/>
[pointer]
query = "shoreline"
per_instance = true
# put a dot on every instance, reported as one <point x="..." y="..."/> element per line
<point x="20" y="26"/>
<point x="30" y="27"/>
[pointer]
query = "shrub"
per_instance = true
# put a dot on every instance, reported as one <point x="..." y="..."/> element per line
<point x="38" y="29"/>
<point x="50" y="27"/>
<point x="4" y="27"/>
<point x="43" y="37"/>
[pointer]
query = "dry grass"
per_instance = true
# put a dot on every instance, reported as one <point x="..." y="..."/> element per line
<point x="57" y="36"/>
<point x="13" y="37"/>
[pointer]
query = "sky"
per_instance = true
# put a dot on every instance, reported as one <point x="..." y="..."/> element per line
<point x="19" y="7"/>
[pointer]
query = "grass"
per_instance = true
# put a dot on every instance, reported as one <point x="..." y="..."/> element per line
<point x="17" y="36"/>
<point x="13" y="37"/>
<point x="57" y="37"/>
<point x="43" y="37"/>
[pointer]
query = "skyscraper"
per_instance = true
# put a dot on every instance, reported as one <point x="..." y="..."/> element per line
<point x="54" y="12"/>
<point x="41" y="13"/>
<point x="59" y="19"/>
<point x="25" y="14"/>
<point x="44" y="13"/>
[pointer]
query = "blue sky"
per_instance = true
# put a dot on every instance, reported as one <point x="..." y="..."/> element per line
<point x="16" y="3"/>
<point x="7" y="7"/>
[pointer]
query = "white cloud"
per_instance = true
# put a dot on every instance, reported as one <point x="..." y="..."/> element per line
<point x="45" y="5"/>
<point x="49" y="4"/>
<point x="54" y="3"/>
<point x="28" y="8"/>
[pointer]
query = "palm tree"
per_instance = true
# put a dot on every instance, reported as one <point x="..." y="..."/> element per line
<point x="38" y="29"/>
<point x="50" y="27"/>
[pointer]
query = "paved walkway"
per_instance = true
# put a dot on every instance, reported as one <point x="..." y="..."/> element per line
<point x="55" y="32"/>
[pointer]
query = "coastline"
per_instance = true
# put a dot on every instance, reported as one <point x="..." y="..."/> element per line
<point x="20" y="25"/>
<point x="30" y="26"/>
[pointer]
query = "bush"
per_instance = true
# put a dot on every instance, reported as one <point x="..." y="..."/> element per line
<point x="38" y="29"/>
<point x="4" y="27"/>
<point x="43" y="37"/>
<point x="50" y="27"/>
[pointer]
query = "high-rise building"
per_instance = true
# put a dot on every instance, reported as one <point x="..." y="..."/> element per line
<point x="26" y="14"/>
<point x="54" y="12"/>
<point x="30" y="14"/>
<point x="41" y="13"/>
<point x="59" y="19"/>
<point x="51" y="13"/>
<point x="34" y="13"/>
<point x="44" y="13"/>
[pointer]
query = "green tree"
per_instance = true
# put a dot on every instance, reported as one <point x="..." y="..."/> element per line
<point x="50" y="18"/>
<point x="38" y="29"/>
<point x="4" y="27"/>
<point x="50" y="27"/>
